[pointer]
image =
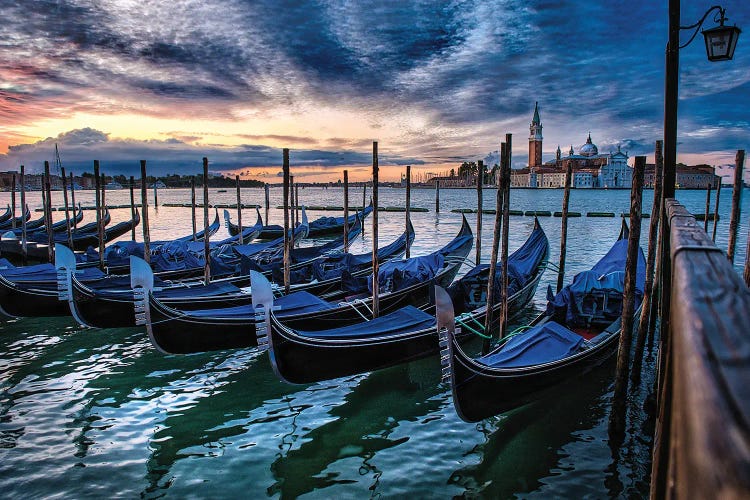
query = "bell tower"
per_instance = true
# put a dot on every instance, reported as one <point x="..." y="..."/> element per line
<point x="535" y="138"/>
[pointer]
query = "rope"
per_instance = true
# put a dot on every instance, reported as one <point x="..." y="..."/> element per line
<point x="461" y="322"/>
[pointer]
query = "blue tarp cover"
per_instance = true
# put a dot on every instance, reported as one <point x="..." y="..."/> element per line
<point x="541" y="344"/>
<point x="522" y="265"/>
<point x="294" y="303"/>
<point x="576" y="303"/>
<point x="46" y="272"/>
<point x="397" y="275"/>
<point x="405" y="320"/>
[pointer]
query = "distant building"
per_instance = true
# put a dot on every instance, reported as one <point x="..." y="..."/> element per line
<point x="687" y="177"/>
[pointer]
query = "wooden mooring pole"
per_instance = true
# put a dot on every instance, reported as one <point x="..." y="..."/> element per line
<point x="13" y="202"/>
<point x="646" y="322"/>
<point x="505" y="236"/>
<point x="239" y="209"/>
<point x="478" y="257"/>
<point x="375" y="263"/>
<point x="192" y="207"/>
<point x="564" y="228"/>
<point x="156" y="195"/>
<point x="292" y="210"/>
<point x="73" y="200"/>
<point x="287" y="252"/>
<point x="499" y="203"/>
<point x="132" y="206"/>
<point x="437" y="196"/>
<point x="657" y="211"/>
<point x="98" y="208"/>
<point x="144" y="215"/>
<point x="619" y="399"/>
<point x="408" y="210"/>
<point x="206" y="243"/>
<point x="24" y="248"/>
<point x="50" y="234"/>
<point x="734" y="221"/>
<point x="67" y="213"/>
<point x="716" y="211"/>
<point x="708" y="208"/>
<point x="296" y="206"/>
<point x="266" y="189"/>
<point x="746" y="273"/>
<point x="102" y="185"/>
<point x="346" y="211"/>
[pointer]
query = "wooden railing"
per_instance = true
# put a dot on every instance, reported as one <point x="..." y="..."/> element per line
<point x="702" y="445"/>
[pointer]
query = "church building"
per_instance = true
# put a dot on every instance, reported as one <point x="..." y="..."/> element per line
<point x="590" y="169"/>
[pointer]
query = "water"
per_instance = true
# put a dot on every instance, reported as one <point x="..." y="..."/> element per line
<point x="99" y="413"/>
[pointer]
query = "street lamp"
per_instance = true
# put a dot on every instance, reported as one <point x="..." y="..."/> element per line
<point x="721" y="40"/>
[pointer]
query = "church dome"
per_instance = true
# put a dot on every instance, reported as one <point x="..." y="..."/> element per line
<point x="588" y="149"/>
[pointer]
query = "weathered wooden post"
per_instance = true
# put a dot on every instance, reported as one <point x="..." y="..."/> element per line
<point x="437" y="196"/>
<point x="708" y="208"/>
<point x="192" y="208"/>
<point x="645" y="322"/>
<point x="296" y="205"/>
<point x="206" y="243"/>
<point x="13" y="202"/>
<point x="98" y="208"/>
<point x="506" y="227"/>
<point x="564" y="229"/>
<point x="617" y="416"/>
<point x="746" y="273"/>
<point x="408" y="210"/>
<point x="24" y="253"/>
<point x="657" y="211"/>
<point x="266" y="189"/>
<point x="292" y="210"/>
<point x="734" y="221"/>
<point x="239" y="208"/>
<point x="478" y="257"/>
<point x="102" y="186"/>
<point x="73" y="199"/>
<point x="132" y="206"/>
<point x="67" y="213"/>
<point x="716" y="210"/>
<point x="499" y="204"/>
<point x="364" y="196"/>
<point x="50" y="234"/>
<point x="346" y="211"/>
<point x="287" y="253"/>
<point x="375" y="263"/>
<point x="144" y="210"/>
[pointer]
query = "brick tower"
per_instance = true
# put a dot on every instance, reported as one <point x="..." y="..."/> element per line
<point x="535" y="139"/>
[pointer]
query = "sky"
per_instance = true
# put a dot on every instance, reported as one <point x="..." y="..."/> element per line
<point x="435" y="83"/>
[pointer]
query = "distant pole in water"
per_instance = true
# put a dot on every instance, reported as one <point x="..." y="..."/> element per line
<point x="50" y="233"/>
<point x="67" y="213"/>
<point x="206" y="244"/>
<point x="293" y="212"/>
<point x="364" y="197"/>
<point x="505" y="236"/>
<point x="479" y="212"/>
<point x="268" y="200"/>
<point x="132" y="206"/>
<point x="346" y="211"/>
<point x="156" y="195"/>
<point x="13" y="202"/>
<point x="437" y="196"/>
<point x="646" y="322"/>
<point x="408" y="209"/>
<point x="192" y="207"/>
<point x="716" y="210"/>
<point x="617" y="416"/>
<point x="23" y="216"/>
<point x="144" y="209"/>
<point x="708" y="207"/>
<point x="73" y="200"/>
<point x="296" y="205"/>
<point x="499" y="203"/>
<point x="287" y="253"/>
<point x="98" y="208"/>
<point x="103" y="187"/>
<point x="746" y="274"/>
<point x="239" y="208"/>
<point x="564" y="228"/>
<point x="375" y="264"/>
<point x="734" y="221"/>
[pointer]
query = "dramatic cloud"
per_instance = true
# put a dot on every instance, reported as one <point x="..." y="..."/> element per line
<point x="436" y="81"/>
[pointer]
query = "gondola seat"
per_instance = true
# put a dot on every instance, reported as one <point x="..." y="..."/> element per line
<point x="544" y="343"/>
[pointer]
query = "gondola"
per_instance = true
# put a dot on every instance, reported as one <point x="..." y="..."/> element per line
<point x="578" y="331"/>
<point x="224" y="324"/>
<point x="323" y="226"/>
<point x="7" y="223"/>
<point x="6" y="215"/>
<point x="305" y="356"/>
<point x="107" y="301"/>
